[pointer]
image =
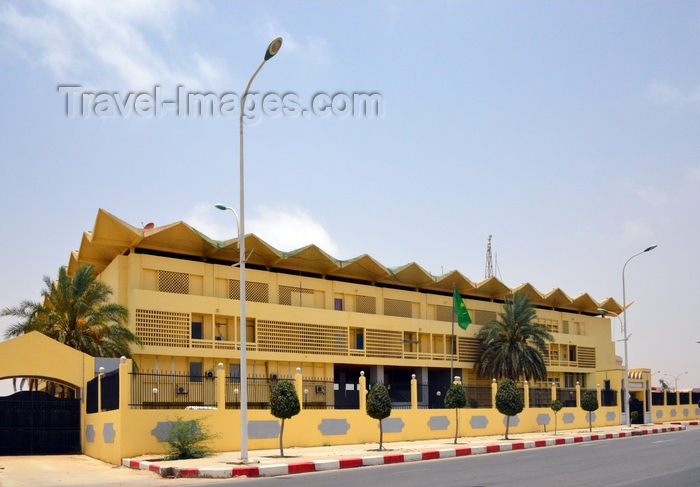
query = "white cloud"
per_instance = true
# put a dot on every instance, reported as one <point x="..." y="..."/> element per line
<point x="651" y="195"/>
<point x="314" y="50"/>
<point x="285" y="229"/>
<point x="78" y="39"/>
<point x="662" y="93"/>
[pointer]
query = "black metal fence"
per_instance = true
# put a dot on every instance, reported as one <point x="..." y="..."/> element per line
<point x="109" y="391"/>
<point x="567" y="397"/>
<point x="684" y="398"/>
<point x="670" y="398"/>
<point x="171" y="390"/>
<point x="479" y="397"/>
<point x="318" y="393"/>
<point x="608" y="397"/>
<point x="540" y="397"/>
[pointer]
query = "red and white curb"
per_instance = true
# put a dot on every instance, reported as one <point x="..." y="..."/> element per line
<point x="389" y="458"/>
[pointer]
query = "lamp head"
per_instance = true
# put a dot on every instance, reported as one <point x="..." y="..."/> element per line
<point x="273" y="48"/>
<point x="650" y="248"/>
<point x="220" y="206"/>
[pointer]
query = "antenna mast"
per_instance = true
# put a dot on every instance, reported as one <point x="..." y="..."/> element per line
<point x="488" y="272"/>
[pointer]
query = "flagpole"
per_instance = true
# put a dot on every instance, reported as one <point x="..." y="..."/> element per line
<point x="452" y="340"/>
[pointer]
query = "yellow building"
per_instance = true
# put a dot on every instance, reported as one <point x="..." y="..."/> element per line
<point x="333" y="327"/>
<point x="331" y="318"/>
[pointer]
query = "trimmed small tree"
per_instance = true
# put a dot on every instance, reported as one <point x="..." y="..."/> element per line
<point x="589" y="403"/>
<point x="556" y="407"/>
<point x="379" y="407"/>
<point x="284" y="403"/>
<point x="456" y="398"/>
<point x="508" y="400"/>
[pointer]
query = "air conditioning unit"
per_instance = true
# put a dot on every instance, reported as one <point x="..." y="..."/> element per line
<point x="209" y="374"/>
<point x="181" y="389"/>
<point x="320" y="389"/>
<point x="273" y="376"/>
<point x="218" y="338"/>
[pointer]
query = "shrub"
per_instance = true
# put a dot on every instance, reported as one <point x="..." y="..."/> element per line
<point x="188" y="439"/>
<point x="508" y="400"/>
<point x="455" y="398"/>
<point x="379" y="406"/>
<point x="284" y="403"/>
<point x="556" y="407"/>
<point x="589" y="402"/>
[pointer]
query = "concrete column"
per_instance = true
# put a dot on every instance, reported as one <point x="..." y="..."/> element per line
<point x="526" y="395"/>
<point x="299" y="386"/>
<point x="220" y="387"/>
<point x="414" y="392"/>
<point x="578" y="394"/>
<point x="494" y="389"/>
<point x="362" y="386"/>
<point x="124" y="384"/>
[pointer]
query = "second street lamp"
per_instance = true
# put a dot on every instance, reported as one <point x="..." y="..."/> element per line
<point x="625" y="337"/>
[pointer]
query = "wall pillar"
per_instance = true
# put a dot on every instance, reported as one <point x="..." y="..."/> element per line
<point x="220" y="387"/>
<point x="494" y="389"/>
<point x="362" y="390"/>
<point x="299" y="386"/>
<point x="414" y="392"/>
<point x="124" y="384"/>
<point x="578" y="394"/>
<point x="526" y="395"/>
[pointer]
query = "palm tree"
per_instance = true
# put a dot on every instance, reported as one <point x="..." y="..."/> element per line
<point x="513" y="345"/>
<point x="76" y="312"/>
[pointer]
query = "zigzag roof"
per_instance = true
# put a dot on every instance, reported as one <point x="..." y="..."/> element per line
<point x="112" y="237"/>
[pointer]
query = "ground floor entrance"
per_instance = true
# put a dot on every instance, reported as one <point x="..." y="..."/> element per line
<point x="36" y="423"/>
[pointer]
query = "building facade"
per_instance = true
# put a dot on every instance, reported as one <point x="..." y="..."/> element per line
<point x="333" y="319"/>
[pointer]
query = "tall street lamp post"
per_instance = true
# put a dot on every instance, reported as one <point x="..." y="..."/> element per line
<point x="272" y="49"/>
<point x="675" y="378"/>
<point x="625" y="337"/>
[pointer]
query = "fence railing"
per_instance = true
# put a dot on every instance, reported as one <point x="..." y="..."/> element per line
<point x="608" y="397"/>
<point x="540" y="397"/>
<point x="479" y="397"/>
<point x="108" y="393"/>
<point x="567" y="397"/>
<point x="172" y="390"/>
<point x="318" y="393"/>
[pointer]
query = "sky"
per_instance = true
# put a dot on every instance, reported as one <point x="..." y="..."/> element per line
<point x="569" y="131"/>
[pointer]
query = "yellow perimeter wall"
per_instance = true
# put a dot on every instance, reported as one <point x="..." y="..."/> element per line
<point x="126" y="432"/>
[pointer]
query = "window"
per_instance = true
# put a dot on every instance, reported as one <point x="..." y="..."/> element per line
<point x="338" y="304"/>
<point x="197" y="330"/>
<point x="357" y="338"/>
<point x="196" y="371"/>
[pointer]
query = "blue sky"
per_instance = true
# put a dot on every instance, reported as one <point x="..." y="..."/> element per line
<point x="567" y="130"/>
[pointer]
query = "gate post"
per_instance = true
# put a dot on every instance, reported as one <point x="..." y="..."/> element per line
<point x="363" y="391"/>
<point x="414" y="392"/>
<point x="124" y="383"/>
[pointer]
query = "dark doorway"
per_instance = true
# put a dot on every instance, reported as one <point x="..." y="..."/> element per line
<point x="346" y="380"/>
<point x="36" y="423"/>
<point x="438" y="382"/>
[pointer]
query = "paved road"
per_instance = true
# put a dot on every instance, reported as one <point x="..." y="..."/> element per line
<point x="668" y="459"/>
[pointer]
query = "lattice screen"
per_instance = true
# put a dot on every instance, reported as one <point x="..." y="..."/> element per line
<point x="443" y="313"/>
<point x="258" y="292"/>
<point x="586" y="357"/>
<point x="383" y="343"/>
<point x="397" y="307"/>
<point x="551" y="325"/>
<point x="366" y="304"/>
<point x="163" y="328"/>
<point x="285" y="294"/>
<point x="467" y="349"/>
<point x="279" y="336"/>
<point x="482" y="317"/>
<point x="173" y="282"/>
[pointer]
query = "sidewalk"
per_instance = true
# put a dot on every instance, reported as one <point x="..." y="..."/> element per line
<point x="268" y="463"/>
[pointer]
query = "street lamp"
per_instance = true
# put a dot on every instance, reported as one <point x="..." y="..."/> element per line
<point x="272" y="49"/>
<point x="676" y="377"/>
<point x="624" y="333"/>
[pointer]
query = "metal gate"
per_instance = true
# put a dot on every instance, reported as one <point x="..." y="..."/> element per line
<point x="36" y="423"/>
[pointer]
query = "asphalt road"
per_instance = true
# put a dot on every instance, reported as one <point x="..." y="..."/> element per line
<point x="668" y="459"/>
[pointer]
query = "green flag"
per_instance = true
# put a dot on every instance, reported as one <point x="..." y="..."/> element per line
<point x="460" y="309"/>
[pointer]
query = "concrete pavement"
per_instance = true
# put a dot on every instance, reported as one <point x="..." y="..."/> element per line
<point x="268" y="463"/>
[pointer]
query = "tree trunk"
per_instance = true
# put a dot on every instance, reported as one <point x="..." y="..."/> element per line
<point x="456" y="424"/>
<point x="507" y="425"/>
<point x="590" y="422"/>
<point x="381" y="435"/>
<point x="281" y="442"/>
<point x="555" y="424"/>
